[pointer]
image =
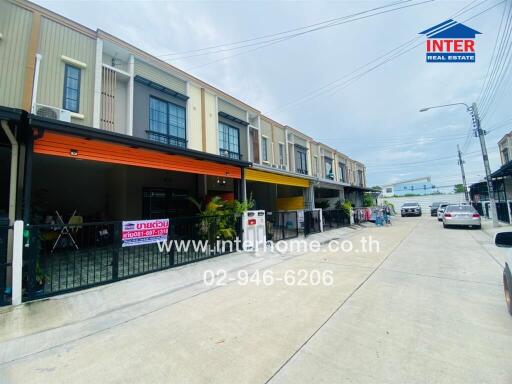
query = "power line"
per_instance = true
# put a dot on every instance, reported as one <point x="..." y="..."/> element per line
<point x="304" y="29"/>
<point x="387" y="57"/>
<point x="500" y="64"/>
<point x="416" y="162"/>
<point x="276" y="41"/>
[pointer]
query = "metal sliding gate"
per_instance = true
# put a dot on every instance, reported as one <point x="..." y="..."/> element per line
<point x="282" y="225"/>
<point x="312" y="222"/>
<point x="335" y="218"/>
<point x="502" y="210"/>
<point x="91" y="254"/>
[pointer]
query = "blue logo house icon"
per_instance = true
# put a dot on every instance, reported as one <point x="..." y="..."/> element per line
<point x="450" y="42"/>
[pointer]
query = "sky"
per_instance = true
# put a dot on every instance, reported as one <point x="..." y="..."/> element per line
<point x="374" y="118"/>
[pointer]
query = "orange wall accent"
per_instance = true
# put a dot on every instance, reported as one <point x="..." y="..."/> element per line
<point x="60" y="145"/>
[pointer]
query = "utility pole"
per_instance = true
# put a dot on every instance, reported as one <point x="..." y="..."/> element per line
<point x="480" y="133"/>
<point x="461" y="163"/>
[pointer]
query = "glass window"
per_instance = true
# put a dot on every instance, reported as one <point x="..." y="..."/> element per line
<point x="264" y="148"/>
<point x="505" y="155"/>
<point x="342" y="172"/>
<point x="328" y="169"/>
<point x="301" y="164"/>
<point x="229" y="141"/>
<point x="71" y="88"/>
<point x="281" y="153"/>
<point x="167" y="123"/>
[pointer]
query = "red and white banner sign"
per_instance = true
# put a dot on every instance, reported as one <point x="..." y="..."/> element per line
<point x="144" y="232"/>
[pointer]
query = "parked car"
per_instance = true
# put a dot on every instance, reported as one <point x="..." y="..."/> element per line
<point x="463" y="215"/>
<point x="410" y="209"/>
<point x="434" y="207"/>
<point x="504" y="239"/>
<point x="440" y="211"/>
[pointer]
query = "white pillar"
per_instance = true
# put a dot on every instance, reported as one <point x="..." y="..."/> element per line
<point x="36" y="82"/>
<point x="129" y="109"/>
<point x="96" y="112"/>
<point x="13" y="182"/>
<point x="17" y="262"/>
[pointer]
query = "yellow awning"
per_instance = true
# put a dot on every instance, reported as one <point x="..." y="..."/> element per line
<point x="275" y="178"/>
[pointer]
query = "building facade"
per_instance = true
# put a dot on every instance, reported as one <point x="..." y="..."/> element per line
<point x="147" y="134"/>
<point x="418" y="186"/>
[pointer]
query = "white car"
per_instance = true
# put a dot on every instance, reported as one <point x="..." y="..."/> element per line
<point x="440" y="212"/>
<point x="461" y="215"/>
<point x="504" y="239"/>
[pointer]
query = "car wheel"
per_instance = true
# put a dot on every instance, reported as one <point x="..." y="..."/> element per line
<point x="478" y="226"/>
<point x="444" y="225"/>
<point x="402" y="215"/>
<point x="506" y="289"/>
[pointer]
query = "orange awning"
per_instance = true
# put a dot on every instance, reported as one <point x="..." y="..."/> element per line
<point x="62" y="145"/>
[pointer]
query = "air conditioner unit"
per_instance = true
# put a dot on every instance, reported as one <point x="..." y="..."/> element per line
<point x="52" y="113"/>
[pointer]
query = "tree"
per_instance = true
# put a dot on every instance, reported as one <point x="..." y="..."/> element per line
<point x="377" y="188"/>
<point x="458" y="188"/>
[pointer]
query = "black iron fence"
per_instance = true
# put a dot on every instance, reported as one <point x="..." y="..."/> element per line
<point x="282" y="225"/>
<point x="335" y="218"/>
<point x="312" y="222"/>
<point x="65" y="258"/>
<point x="502" y="210"/>
<point x="4" y="265"/>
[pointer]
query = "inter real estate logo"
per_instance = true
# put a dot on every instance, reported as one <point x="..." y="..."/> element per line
<point x="450" y="42"/>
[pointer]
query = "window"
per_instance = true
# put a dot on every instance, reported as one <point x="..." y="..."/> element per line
<point x="301" y="164"/>
<point x="166" y="123"/>
<point x="389" y="190"/>
<point x="71" y="101"/>
<point x="329" y="174"/>
<point x="506" y="158"/>
<point x="360" y="178"/>
<point x="342" y="172"/>
<point x="281" y="154"/>
<point x="229" y="141"/>
<point x="264" y="148"/>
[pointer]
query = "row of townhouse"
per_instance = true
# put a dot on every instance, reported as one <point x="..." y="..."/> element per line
<point x="502" y="185"/>
<point x="95" y="125"/>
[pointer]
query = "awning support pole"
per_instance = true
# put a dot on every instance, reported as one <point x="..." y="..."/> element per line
<point x="12" y="191"/>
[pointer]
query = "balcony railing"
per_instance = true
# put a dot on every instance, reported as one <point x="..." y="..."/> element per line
<point x="302" y="171"/>
<point x="230" y="154"/>
<point x="167" y="139"/>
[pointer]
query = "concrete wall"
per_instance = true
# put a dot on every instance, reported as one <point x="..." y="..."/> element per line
<point x="424" y="201"/>
<point x="160" y="77"/>
<point x="212" y="123"/>
<point x="194" y="119"/>
<point x="15" y="27"/>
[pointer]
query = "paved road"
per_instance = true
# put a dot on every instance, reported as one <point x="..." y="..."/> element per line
<point x="426" y="308"/>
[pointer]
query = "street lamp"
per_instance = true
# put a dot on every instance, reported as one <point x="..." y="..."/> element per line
<point x="480" y="133"/>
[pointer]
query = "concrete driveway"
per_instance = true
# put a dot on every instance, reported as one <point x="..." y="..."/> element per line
<point x="427" y="307"/>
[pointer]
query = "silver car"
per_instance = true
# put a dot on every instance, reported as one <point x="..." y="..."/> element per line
<point x="440" y="211"/>
<point x="461" y="215"/>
